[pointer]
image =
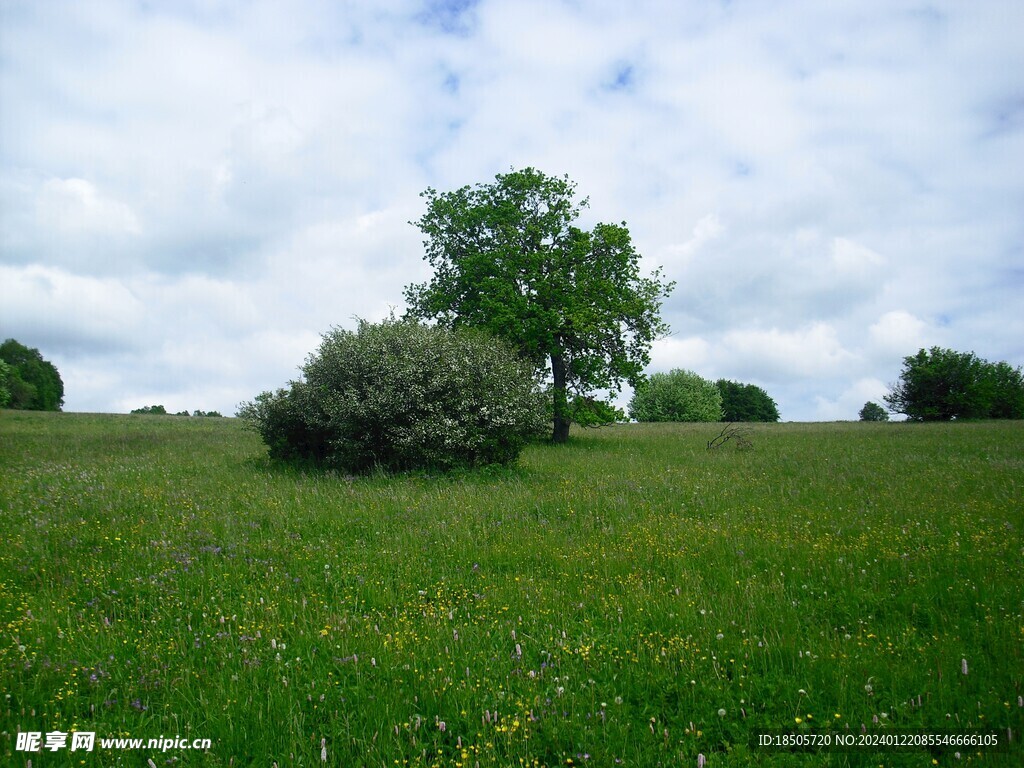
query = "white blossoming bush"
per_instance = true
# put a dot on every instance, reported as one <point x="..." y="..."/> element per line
<point x="399" y="395"/>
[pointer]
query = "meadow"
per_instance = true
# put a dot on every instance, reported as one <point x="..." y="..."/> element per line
<point x="629" y="598"/>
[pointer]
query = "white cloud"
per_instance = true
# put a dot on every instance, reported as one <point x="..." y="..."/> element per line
<point x="707" y="228"/>
<point x="898" y="333"/>
<point x="69" y="313"/>
<point x="847" y="405"/>
<point x="691" y="354"/>
<point x="855" y="261"/>
<point x="74" y="206"/>
<point x="776" y="355"/>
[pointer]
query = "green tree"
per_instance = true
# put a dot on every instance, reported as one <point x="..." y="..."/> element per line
<point x="5" y="386"/>
<point x="153" y="410"/>
<point x="941" y="384"/>
<point x="508" y="258"/>
<point x="746" y="402"/>
<point x="873" y="412"/>
<point x="33" y="382"/>
<point x="400" y="395"/>
<point x="676" y="396"/>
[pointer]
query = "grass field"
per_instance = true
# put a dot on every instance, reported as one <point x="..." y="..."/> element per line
<point x="628" y="599"/>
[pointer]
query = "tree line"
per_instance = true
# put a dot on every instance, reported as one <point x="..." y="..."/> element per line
<point x="159" y="410"/>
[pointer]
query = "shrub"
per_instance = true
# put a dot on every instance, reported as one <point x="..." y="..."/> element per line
<point x="676" y="396"/>
<point x="873" y="412"/>
<point x="399" y="395"/>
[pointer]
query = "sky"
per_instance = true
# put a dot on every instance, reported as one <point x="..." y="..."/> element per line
<point x="193" y="192"/>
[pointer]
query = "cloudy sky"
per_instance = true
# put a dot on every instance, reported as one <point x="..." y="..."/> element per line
<point x="192" y="192"/>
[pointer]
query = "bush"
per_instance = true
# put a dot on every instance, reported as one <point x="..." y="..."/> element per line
<point x="676" y="396"/>
<point x="746" y="402"/>
<point x="873" y="412"/>
<point x="940" y="384"/>
<point x="399" y="395"/>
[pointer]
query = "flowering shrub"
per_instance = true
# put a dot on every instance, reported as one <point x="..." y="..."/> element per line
<point x="399" y="395"/>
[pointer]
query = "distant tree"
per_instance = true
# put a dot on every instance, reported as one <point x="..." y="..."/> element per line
<point x="399" y="395"/>
<point x="676" y="396"/>
<point x="873" y="412"/>
<point x="152" y="410"/>
<point x="508" y="258"/>
<point x="33" y="383"/>
<point x="746" y="402"/>
<point x="941" y="384"/>
<point x="207" y="414"/>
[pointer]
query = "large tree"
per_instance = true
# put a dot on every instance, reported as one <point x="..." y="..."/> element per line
<point x="508" y="258"/>
<point x="33" y="383"/>
<point x="746" y="402"/>
<point x="941" y="384"/>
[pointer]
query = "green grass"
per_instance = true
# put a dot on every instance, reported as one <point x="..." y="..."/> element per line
<point x="601" y="604"/>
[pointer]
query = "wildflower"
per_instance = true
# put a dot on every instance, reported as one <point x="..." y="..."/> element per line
<point x="963" y="666"/>
<point x="721" y="713"/>
<point x="701" y="760"/>
<point x="323" y="750"/>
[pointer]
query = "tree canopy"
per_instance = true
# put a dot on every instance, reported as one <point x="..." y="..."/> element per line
<point x="508" y="258"/>
<point x="746" y="402"/>
<point x="941" y="384"/>
<point x="32" y="383"/>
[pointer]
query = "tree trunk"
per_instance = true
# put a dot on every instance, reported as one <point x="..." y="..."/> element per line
<point x="560" y="432"/>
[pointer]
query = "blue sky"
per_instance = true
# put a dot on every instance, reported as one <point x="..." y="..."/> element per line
<point x="192" y="192"/>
